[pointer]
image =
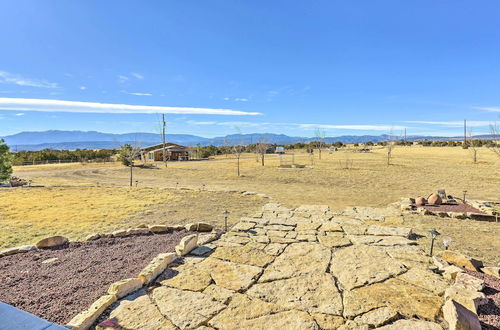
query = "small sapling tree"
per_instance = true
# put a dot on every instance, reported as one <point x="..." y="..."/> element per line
<point x="127" y="155"/>
<point x="495" y="137"/>
<point x="5" y="162"/>
<point x="261" y="148"/>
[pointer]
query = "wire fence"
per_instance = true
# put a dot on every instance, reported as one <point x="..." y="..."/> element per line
<point x="63" y="161"/>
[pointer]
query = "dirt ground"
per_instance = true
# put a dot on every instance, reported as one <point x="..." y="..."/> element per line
<point x="414" y="171"/>
<point x="370" y="182"/>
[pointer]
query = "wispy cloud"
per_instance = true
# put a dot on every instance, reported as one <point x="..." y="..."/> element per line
<point x="298" y="125"/>
<point x="122" y="79"/>
<point x="15" y="79"/>
<point x="47" y="105"/>
<point x="471" y="123"/>
<point x="83" y="88"/>
<point x="137" y="75"/>
<point x="490" y="109"/>
<point x="237" y="99"/>
<point x="20" y="114"/>
<point x="137" y="93"/>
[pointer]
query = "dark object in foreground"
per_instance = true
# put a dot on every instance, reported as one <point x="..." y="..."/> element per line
<point x="58" y="289"/>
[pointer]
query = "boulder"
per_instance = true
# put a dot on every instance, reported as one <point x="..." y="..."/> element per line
<point x="187" y="244"/>
<point x="459" y="317"/>
<point x="434" y="199"/>
<point x="493" y="271"/>
<point x="411" y="325"/>
<point x="420" y="201"/>
<point x="85" y="319"/>
<point x="451" y="272"/>
<point x="469" y="299"/>
<point x="51" y="242"/>
<point x="388" y="231"/>
<point x="119" y="233"/>
<point x="93" y="237"/>
<point x="18" y="249"/>
<point x="461" y="260"/>
<point x="138" y="231"/>
<point x="124" y="287"/>
<point x="158" y="228"/>
<point x="466" y="281"/>
<point x="156" y="266"/>
<point x="199" y="226"/>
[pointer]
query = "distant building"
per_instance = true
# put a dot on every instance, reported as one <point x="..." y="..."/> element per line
<point x="280" y="150"/>
<point x="173" y="152"/>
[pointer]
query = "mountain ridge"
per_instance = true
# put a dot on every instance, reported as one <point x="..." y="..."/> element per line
<point x="68" y="140"/>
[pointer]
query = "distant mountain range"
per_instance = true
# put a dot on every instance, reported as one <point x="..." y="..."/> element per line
<point x="69" y="140"/>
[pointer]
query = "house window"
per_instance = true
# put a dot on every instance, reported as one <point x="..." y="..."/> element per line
<point x="151" y="156"/>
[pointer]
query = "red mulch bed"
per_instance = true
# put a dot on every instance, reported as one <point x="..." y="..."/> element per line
<point x="459" y="207"/>
<point x="489" y="314"/>
<point x="59" y="290"/>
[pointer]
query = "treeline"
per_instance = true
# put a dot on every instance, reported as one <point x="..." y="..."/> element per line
<point x="49" y="155"/>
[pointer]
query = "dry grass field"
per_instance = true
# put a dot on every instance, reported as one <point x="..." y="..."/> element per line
<point x="27" y="215"/>
<point x="413" y="171"/>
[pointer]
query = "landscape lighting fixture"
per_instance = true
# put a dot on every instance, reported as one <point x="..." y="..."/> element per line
<point x="446" y="242"/>
<point x="226" y="213"/>
<point x="434" y="233"/>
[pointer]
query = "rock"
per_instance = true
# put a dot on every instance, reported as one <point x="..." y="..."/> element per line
<point x="333" y="241"/>
<point x="307" y="226"/>
<point x="290" y="320"/>
<point x="159" y="228"/>
<point x="200" y="251"/>
<point x="411" y="325"/>
<point x="420" y="201"/>
<point x="204" y="239"/>
<point x="330" y="226"/>
<point x="186" y="309"/>
<point x="243" y="311"/>
<point x="18" y="249"/>
<point x="186" y="244"/>
<point x="156" y="266"/>
<point x="219" y="293"/>
<point x="298" y="259"/>
<point x="138" y="231"/>
<point x="356" y="266"/>
<point x="274" y="249"/>
<point x="461" y="260"/>
<point x="93" y="237"/>
<point x="451" y="272"/>
<point x="377" y="317"/>
<point x="86" y="318"/>
<point x="50" y="260"/>
<point x="306" y="238"/>
<point x="119" y="233"/>
<point x="199" y="226"/>
<point x="139" y="313"/>
<point x="313" y="293"/>
<point x="457" y="215"/>
<point x="425" y="279"/>
<point x="328" y="322"/>
<point x="177" y="228"/>
<point x="313" y="209"/>
<point x="470" y="299"/>
<point x="434" y="199"/>
<point x="51" y="242"/>
<point x="230" y="275"/>
<point x="404" y="298"/>
<point x="459" y="317"/>
<point x="380" y="240"/>
<point x="276" y="227"/>
<point x="469" y="282"/>
<point x="124" y="287"/>
<point x="493" y="271"/>
<point x="243" y="255"/>
<point x="243" y="226"/>
<point x="388" y="231"/>
<point x="189" y="277"/>
<point x="355" y="229"/>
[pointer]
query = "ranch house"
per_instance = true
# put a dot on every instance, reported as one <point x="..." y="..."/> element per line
<point x="173" y="152"/>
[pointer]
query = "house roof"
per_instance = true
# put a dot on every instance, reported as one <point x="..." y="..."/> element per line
<point x="160" y="146"/>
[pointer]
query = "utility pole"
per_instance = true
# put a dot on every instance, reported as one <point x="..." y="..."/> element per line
<point x="405" y="135"/>
<point x="465" y="132"/>
<point x="163" y="128"/>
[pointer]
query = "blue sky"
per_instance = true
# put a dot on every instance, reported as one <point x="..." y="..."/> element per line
<point x="345" y="67"/>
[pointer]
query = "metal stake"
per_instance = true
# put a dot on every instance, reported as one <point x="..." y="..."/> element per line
<point x="434" y="233"/>
<point x="226" y="213"/>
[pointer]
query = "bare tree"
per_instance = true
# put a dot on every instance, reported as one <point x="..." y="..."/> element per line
<point x="128" y="153"/>
<point x="472" y="146"/>
<point x="390" y="146"/>
<point x="261" y="148"/>
<point x="238" y="149"/>
<point x="320" y="140"/>
<point x="495" y="137"/>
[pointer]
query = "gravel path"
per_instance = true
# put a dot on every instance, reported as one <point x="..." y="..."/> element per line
<point x="58" y="289"/>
